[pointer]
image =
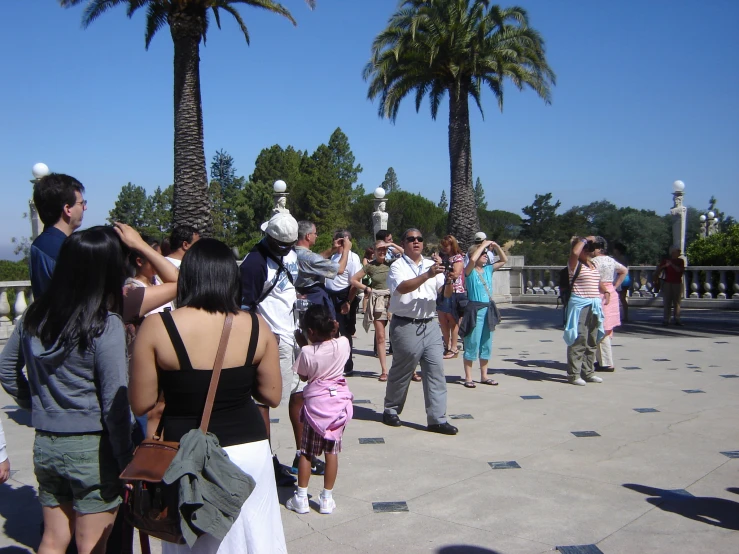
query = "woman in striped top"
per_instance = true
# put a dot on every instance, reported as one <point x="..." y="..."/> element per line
<point x="584" y="319"/>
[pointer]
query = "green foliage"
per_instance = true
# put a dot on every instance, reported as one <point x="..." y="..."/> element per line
<point x="14" y="271"/>
<point x="646" y="236"/>
<point x="499" y="225"/>
<point x="480" y="196"/>
<point x="443" y="202"/>
<point x="541" y="218"/>
<point x="390" y="184"/>
<point x="406" y="210"/>
<point x="551" y="252"/>
<point x="130" y="207"/>
<point x="721" y="248"/>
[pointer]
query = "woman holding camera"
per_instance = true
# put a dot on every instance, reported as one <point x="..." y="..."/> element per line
<point x="480" y="314"/>
<point x="447" y="306"/>
<point x="584" y="317"/>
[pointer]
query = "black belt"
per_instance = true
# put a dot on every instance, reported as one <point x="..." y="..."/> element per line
<point x="413" y="320"/>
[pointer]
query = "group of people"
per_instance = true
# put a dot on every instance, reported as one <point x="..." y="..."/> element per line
<point x="120" y="344"/>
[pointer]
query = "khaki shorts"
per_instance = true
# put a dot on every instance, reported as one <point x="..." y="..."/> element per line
<point x="76" y="469"/>
<point x="291" y="382"/>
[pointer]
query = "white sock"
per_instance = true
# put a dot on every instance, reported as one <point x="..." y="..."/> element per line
<point x="327" y="493"/>
<point x="302" y="492"/>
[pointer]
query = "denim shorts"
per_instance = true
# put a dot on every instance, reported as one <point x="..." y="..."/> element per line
<point x="76" y="469"/>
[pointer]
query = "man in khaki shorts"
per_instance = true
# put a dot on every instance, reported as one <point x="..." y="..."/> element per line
<point x="268" y="276"/>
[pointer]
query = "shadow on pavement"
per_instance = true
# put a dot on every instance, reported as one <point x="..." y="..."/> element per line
<point x="21" y="510"/>
<point x="713" y="511"/>
<point x="21" y="417"/>
<point x="465" y="549"/>
<point x="533" y="375"/>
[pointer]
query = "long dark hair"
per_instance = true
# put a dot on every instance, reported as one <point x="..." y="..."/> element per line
<point x="87" y="284"/>
<point x="209" y="278"/>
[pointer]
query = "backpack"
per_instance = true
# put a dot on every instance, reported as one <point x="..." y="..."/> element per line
<point x="565" y="284"/>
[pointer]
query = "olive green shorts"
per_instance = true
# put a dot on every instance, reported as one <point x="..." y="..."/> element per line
<point x="76" y="469"/>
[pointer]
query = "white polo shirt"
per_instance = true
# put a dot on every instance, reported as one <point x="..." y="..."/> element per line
<point x="417" y="304"/>
<point x="341" y="281"/>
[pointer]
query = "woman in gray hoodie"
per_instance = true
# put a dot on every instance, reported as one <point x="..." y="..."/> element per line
<point x="73" y="344"/>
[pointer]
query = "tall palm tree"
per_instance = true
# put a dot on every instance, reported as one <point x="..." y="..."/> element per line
<point x="188" y="25"/>
<point x="434" y="47"/>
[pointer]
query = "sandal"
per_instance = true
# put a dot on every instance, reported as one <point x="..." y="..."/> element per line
<point x="449" y="354"/>
<point x="489" y="382"/>
<point x="382" y="377"/>
<point x="416" y="377"/>
<point x="469" y="385"/>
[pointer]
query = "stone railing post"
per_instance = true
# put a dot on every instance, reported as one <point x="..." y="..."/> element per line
<point x="735" y="296"/>
<point x="721" y="285"/>
<point x="6" y="326"/>
<point x="20" y="304"/>
<point x="707" y="285"/>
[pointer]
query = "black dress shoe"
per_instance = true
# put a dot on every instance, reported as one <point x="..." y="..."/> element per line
<point x="443" y="428"/>
<point x="391" y="419"/>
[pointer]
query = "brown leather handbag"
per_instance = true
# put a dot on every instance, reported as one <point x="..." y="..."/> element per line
<point x="150" y="505"/>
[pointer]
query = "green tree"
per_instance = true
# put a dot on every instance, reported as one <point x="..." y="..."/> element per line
<point x="223" y="190"/>
<point x="443" y="202"/>
<point x="500" y="225"/>
<point x="457" y="47"/>
<point x="645" y="235"/>
<point x="406" y="210"/>
<point x="253" y="206"/>
<point x="275" y="163"/>
<point x="131" y="207"/>
<point x="390" y="184"/>
<point x="159" y="210"/>
<point x="541" y="218"/>
<point x="721" y="248"/>
<point x="480" y="196"/>
<point x="188" y="25"/>
<point x="723" y="220"/>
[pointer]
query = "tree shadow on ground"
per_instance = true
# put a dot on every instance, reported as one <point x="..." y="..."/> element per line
<point x="366" y="414"/>
<point x="712" y="511"/>
<point x="532" y="373"/>
<point x="532" y="316"/>
<point x="14" y="550"/>
<point x="21" y="417"/>
<point x="21" y="510"/>
<point x="465" y="549"/>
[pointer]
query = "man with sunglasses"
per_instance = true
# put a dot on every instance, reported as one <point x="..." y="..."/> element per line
<point x="414" y="283"/>
<point x="268" y="275"/>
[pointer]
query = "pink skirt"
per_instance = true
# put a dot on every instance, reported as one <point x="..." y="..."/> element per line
<point x="612" y="310"/>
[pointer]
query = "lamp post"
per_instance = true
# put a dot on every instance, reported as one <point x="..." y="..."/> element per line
<point x="39" y="170"/>
<point x="679" y="213"/>
<point x="280" y="197"/>
<point x="379" y="216"/>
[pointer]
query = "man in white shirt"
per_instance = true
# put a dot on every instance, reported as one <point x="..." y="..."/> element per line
<point x="181" y="239"/>
<point x="414" y="283"/>
<point x="341" y="292"/>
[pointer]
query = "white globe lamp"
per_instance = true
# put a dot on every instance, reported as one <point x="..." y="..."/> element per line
<point x="678" y="186"/>
<point x="711" y="215"/>
<point x="379" y="193"/>
<point x="40" y="170"/>
<point x="702" y="218"/>
<point x="280" y="186"/>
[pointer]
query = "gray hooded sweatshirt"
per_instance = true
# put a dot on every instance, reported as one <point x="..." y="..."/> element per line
<point x="72" y="392"/>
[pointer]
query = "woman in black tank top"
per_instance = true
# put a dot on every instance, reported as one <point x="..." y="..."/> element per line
<point x="174" y="354"/>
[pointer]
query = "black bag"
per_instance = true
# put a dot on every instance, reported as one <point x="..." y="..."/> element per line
<point x="565" y="285"/>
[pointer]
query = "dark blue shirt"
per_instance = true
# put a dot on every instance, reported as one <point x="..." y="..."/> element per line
<point x="44" y="252"/>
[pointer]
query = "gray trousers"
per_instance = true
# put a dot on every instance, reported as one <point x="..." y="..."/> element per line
<point x="581" y="355"/>
<point x="414" y="343"/>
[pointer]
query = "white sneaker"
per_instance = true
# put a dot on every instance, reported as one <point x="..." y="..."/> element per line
<point x="297" y="504"/>
<point x="594" y="379"/>
<point x="327" y="504"/>
<point x="579" y="382"/>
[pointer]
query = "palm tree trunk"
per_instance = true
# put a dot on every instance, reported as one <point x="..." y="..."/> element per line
<point x="191" y="204"/>
<point x="463" y="223"/>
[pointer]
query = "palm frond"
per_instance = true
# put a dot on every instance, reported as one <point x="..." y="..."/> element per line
<point x="269" y="5"/>
<point x="93" y="9"/>
<point x="156" y="18"/>
<point x="224" y="5"/>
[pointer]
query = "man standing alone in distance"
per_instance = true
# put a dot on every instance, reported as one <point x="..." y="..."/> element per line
<point x="414" y="283"/>
<point x="60" y="206"/>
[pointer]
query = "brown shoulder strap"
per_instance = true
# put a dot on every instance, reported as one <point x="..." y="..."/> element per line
<point x="217" y="366"/>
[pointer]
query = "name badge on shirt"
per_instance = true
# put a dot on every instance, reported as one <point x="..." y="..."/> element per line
<point x="332" y="391"/>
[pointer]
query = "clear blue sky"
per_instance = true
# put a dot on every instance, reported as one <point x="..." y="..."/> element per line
<point x="646" y="93"/>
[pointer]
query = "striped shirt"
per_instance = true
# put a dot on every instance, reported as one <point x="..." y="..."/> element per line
<point x="586" y="284"/>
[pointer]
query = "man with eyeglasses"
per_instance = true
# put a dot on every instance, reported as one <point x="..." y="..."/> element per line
<point x="414" y="283"/>
<point x="314" y="268"/>
<point x="268" y="275"/>
<point x="60" y="206"/>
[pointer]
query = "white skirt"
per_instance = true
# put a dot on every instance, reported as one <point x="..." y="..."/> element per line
<point x="258" y="529"/>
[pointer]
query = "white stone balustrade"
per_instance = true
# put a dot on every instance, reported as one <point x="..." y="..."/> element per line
<point x="9" y="317"/>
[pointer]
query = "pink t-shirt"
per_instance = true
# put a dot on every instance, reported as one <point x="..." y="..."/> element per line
<point x="323" y="360"/>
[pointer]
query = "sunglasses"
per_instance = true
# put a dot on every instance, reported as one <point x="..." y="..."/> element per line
<point x="414" y="239"/>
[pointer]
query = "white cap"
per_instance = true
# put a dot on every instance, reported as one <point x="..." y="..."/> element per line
<point x="281" y="227"/>
<point x="480" y="236"/>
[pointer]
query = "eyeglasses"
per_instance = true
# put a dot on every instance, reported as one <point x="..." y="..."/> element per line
<point x="82" y="202"/>
<point x="414" y="239"/>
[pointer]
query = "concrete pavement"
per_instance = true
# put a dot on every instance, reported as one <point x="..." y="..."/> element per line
<point x="659" y="474"/>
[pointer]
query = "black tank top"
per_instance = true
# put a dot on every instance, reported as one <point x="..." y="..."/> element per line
<point x="235" y="419"/>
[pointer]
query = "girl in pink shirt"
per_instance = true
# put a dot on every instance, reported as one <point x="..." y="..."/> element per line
<point x="327" y="405"/>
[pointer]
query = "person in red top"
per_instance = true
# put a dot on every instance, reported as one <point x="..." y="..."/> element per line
<point x="672" y="288"/>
